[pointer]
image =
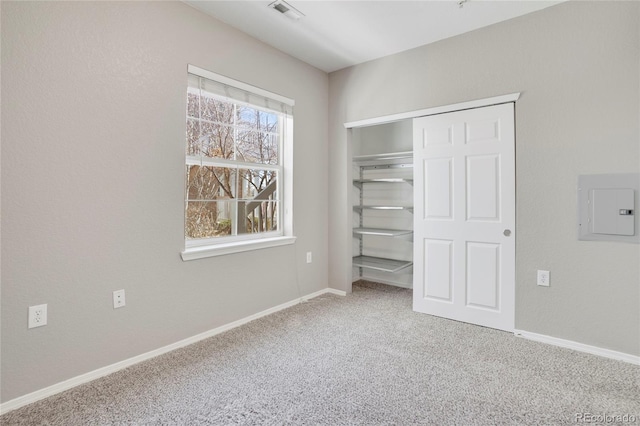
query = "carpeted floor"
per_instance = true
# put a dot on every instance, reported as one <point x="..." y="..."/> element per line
<point x="364" y="359"/>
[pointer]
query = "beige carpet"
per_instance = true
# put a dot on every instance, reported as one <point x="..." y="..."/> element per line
<point x="364" y="359"/>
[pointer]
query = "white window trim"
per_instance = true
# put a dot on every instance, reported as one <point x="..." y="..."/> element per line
<point x="211" y="248"/>
<point x="194" y="253"/>
<point x="191" y="69"/>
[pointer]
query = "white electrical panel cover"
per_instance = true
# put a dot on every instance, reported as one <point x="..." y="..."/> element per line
<point x="607" y="207"/>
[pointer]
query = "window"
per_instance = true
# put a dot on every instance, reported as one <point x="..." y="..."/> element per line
<point x="238" y="166"/>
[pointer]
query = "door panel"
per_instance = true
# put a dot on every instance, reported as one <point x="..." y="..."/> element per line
<point x="437" y="135"/>
<point x="483" y="275"/>
<point x="483" y="187"/>
<point x="437" y="181"/>
<point x="482" y="130"/>
<point x="438" y="263"/>
<point x="464" y="191"/>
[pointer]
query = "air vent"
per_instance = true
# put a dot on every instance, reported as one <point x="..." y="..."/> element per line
<point x="286" y="9"/>
<point x="281" y="8"/>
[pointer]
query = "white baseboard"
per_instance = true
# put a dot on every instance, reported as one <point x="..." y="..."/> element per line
<point x="323" y="291"/>
<point x="104" y="371"/>
<point x="581" y="347"/>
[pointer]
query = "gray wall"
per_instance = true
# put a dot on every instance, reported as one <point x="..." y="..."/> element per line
<point x="93" y="141"/>
<point x="577" y="66"/>
<point x="383" y="138"/>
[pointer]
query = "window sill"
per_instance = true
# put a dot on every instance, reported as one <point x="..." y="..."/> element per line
<point x="194" y="253"/>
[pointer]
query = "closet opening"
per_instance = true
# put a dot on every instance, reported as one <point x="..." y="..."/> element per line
<point x="443" y="177"/>
<point x="382" y="200"/>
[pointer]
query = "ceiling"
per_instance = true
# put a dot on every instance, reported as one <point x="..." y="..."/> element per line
<point x="337" y="34"/>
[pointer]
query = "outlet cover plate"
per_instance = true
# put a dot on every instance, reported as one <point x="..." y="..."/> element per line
<point x="118" y="299"/>
<point x="543" y="278"/>
<point x="37" y="315"/>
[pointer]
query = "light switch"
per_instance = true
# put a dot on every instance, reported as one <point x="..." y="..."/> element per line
<point x="612" y="211"/>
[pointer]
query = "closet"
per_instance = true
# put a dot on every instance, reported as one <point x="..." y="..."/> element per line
<point x="459" y="210"/>
<point x="382" y="197"/>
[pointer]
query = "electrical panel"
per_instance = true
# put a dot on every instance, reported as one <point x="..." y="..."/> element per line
<point x="612" y="211"/>
<point x="607" y="207"/>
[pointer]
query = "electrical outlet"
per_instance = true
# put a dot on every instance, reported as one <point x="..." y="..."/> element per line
<point x="543" y="278"/>
<point x="309" y="257"/>
<point x="118" y="299"/>
<point x="37" y="316"/>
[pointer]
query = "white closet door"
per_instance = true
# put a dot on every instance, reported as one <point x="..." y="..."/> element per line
<point x="464" y="194"/>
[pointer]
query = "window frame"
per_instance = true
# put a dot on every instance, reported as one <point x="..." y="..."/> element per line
<point x="217" y="246"/>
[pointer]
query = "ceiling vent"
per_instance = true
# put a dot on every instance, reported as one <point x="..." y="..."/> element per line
<point x="287" y="10"/>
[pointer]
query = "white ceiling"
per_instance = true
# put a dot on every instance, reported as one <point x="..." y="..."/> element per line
<point x="337" y="34"/>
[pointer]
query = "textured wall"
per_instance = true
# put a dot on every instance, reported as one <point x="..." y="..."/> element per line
<point x="93" y="136"/>
<point x="577" y="65"/>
